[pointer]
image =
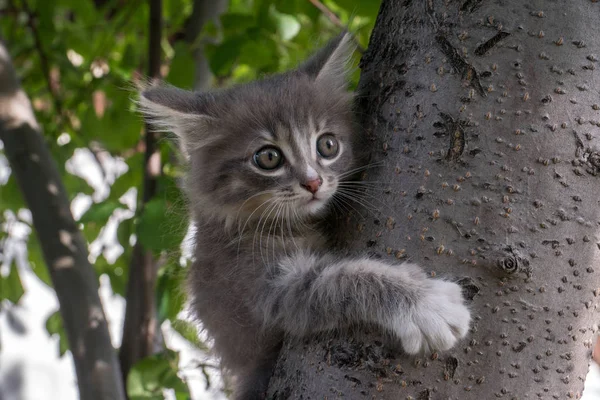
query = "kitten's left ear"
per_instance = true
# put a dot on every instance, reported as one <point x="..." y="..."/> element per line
<point x="181" y="112"/>
<point x="330" y="65"/>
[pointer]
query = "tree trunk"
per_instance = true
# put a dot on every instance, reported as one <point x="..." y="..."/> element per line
<point x="485" y="116"/>
<point x="203" y="12"/>
<point x="63" y="246"/>
<point x="141" y="330"/>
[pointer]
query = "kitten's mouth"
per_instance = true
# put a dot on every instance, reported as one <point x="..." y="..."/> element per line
<point x="316" y="198"/>
<point x="313" y="200"/>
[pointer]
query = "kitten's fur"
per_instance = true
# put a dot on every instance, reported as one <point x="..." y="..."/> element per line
<point x="260" y="270"/>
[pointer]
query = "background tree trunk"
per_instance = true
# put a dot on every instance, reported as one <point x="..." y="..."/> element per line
<point x="141" y="330"/>
<point x="63" y="246"/>
<point x="204" y="11"/>
<point x="486" y="117"/>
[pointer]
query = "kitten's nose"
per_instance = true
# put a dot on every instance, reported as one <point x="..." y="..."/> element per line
<point x="312" y="185"/>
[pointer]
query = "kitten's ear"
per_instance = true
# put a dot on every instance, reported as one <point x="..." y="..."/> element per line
<point x="331" y="63"/>
<point x="169" y="109"/>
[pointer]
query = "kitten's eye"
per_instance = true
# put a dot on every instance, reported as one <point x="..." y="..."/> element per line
<point x="328" y="146"/>
<point x="268" y="158"/>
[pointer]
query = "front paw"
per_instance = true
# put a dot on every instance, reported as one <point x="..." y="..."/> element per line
<point x="438" y="320"/>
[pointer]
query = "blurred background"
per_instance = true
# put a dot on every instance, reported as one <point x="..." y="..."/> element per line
<point x="78" y="61"/>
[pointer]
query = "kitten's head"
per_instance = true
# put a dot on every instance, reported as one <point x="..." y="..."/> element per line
<point x="277" y="146"/>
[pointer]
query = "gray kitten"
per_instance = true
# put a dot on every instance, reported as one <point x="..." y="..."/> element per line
<point x="265" y="160"/>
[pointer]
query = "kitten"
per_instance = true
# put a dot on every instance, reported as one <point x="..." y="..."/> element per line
<point x="265" y="160"/>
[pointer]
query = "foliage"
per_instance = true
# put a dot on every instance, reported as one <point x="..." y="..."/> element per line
<point x="77" y="60"/>
<point x="151" y="375"/>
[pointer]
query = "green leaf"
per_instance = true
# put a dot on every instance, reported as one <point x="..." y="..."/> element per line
<point x="295" y="7"/>
<point x="75" y="184"/>
<point x="176" y="12"/>
<point x="287" y="6"/>
<point x="96" y="217"/>
<point x="260" y="53"/>
<point x="169" y="293"/>
<point x="367" y="8"/>
<point x="235" y="23"/>
<point x="131" y="56"/>
<point x="221" y="58"/>
<point x="163" y="222"/>
<point x="124" y="231"/>
<point x="150" y="376"/>
<point x="118" y="272"/>
<point x="36" y="259"/>
<point x="91" y="230"/>
<point x="119" y="128"/>
<point x="10" y="195"/>
<point x="287" y="25"/>
<point x="132" y="178"/>
<point x="181" y="70"/>
<point x="10" y="285"/>
<point x="83" y="9"/>
<point x="54" y="326"/>
<point x="100" y="212"/>
<point x="262" y="9"/>
<point x="189" y="332"/>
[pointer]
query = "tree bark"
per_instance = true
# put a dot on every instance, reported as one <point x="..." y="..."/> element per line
<point x="485" y="116"/>
<point x="63" y="247"/>
<point x="141" y="330"/>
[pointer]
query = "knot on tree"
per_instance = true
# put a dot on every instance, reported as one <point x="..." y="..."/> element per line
<point x="506" y="261"/>
<point x="509" y="264"/>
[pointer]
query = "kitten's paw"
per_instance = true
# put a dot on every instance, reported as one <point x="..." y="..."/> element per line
<point x="436" y="322"/>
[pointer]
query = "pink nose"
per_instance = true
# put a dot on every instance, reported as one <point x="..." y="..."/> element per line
<point x="312" y="185"/>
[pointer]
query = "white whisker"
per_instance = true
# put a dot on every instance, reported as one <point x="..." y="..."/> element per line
<point x="241" y="232"/>
<point x="361" y="201"/>
<point x="361" y="168"/>
<point x="343" y="202"/>
<point x="258" y="225"/>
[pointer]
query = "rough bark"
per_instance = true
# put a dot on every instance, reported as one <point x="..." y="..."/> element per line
<point x="141" y="332"/>
<point x="63" y="246"/>
<point x="486" y="116"/>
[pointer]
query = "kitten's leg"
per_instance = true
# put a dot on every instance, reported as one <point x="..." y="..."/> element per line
<point x="308" y="293"/>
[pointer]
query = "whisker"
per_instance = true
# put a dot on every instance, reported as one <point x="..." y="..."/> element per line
<point x="301" y="221"/>
<point x="337" y="209"/>
<point x="355" y="182"/>
<point x="277" y="214"/>
<point x="369" y="185"/>
<point x="345" y="203"/>
<point x="363" y="195"/>
<point x="364" y="203"/>
<point x="290" y="220"/>
<point x="241" y="232"/>
<point x="260" y="247"/>
<point x="274" y="227"/>
<point x="359" y="191"/>
<point x="248" y="199"/>
<point x="361" y="168"/>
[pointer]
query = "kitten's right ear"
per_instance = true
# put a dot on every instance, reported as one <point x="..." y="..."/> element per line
<point x="169" y="109"/>
<point x="331" y="64"/>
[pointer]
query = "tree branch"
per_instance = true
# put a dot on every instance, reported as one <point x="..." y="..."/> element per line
<point x="63" y="247"/>
<point x="203" y="11"/>
<point x="141" y="329"/>
<point x="64" y="119"/>
<point x="44" y="63"/>
<point x="336" y="21"/>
